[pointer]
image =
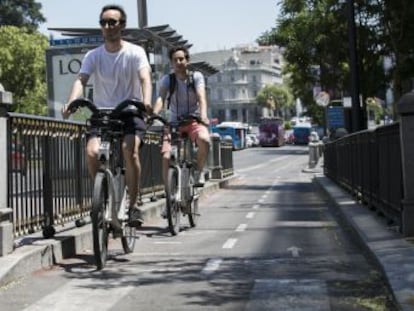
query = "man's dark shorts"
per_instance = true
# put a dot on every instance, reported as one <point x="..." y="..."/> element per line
<point x="133" y="125"/>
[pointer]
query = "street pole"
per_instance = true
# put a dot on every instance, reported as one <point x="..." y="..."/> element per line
<point x="142" y="13"/>
<point x="353" y="57"/>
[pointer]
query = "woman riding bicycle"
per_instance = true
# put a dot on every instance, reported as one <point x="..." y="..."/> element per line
<point x="186" y="96"/>
<point x="121" y="71"/>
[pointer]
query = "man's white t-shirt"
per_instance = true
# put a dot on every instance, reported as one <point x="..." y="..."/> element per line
<point x="115" y="75"/>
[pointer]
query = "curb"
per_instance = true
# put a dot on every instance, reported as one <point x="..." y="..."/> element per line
<point x="34" y="252"/>
<point x="392" y="254"/>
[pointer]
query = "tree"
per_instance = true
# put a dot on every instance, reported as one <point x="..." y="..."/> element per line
<point x="315" y="37"/>
<point x="22" y="68"/>
<point x="275" y="97"/>
<point x="21" y="13"/>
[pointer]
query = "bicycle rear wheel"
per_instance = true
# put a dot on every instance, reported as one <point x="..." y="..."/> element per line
<point x="103" y="198"/>
<point x="129" y="233"/>
<point x="193" y="214"/>
<point x="173" y="206"/>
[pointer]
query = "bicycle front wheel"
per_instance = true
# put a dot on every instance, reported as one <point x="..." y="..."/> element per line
<point x="102" y="201"/>
<point x="173" y="206"/>
<point x="129" y="233"/>
<point x="193" y="214"/>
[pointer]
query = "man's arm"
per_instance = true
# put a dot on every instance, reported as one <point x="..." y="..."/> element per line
<point x="202" y="101"/>
<point x="76" y="92"/>
<point x="159" y="102"/>
<point x="146" y="85"/>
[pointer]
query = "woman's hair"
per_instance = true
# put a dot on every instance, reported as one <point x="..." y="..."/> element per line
<point x="117" y="8"/>
<point x="179" y="48"/>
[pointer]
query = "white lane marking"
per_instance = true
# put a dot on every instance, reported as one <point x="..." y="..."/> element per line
<point x="256" y="206"/>
<point x="306" y="224"/>
<point x="261" y="200"/>
<point x="211" y="265"/>
<point x="250" y="215"/>
<point x="241" y="227"/>
<point x="294" y="250"/>
<point x="278" y="159"/>
<point x="288" y="294"/>
<point x="73" y="297"/>
<point x="264" y="196"/>
<point x="229" y="243"/>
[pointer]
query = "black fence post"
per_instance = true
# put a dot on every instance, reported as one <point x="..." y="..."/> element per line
<point x="406" y="111"/>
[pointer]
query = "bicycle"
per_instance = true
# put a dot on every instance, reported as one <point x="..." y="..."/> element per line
<point x="181" y="194"/>
<point x="110" y="202"/>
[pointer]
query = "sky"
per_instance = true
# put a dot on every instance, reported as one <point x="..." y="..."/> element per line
<point x="208" y="25"/>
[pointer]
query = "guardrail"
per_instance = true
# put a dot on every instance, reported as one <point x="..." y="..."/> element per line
<point x="368" y="165"/>
<point x="377" y="167"/>
<point x="47" y="179"/>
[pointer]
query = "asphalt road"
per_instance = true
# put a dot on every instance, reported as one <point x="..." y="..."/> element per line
<point x="269" y="241"/>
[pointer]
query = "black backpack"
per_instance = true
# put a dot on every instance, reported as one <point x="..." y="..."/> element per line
<point x="173" y="84"/>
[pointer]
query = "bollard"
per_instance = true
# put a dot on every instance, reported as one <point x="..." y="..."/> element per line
<point x="6" y="225"/>
<point x="314" y="147"/>
<point x="215" y="157"/>
<point x="406" y="111"/>
<point x="313" y="154"/>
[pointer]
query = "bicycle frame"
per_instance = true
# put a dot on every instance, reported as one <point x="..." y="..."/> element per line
<point x="104" y="156"/>
<point x="181" y="159"/>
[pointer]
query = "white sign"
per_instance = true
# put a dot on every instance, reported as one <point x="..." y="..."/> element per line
<point x="63" y="67"/>
<point x="347" y="102"/>
<point x="322" y="99"/>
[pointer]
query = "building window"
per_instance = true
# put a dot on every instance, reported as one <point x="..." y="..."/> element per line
<point x="233" y="114"/>
<point x="233" y="93"/>
<point x="254" y="79"/>
<point x="218" y="77"/>
<point x="221" y="115"/>
<point x="220" y="94"/>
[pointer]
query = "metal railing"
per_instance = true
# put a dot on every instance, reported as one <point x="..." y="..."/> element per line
<point x="48" y="183"/>
<point x="368" y="165"/>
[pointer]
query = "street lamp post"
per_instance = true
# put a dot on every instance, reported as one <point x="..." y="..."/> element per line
<point x="353" y="58"/>
<point x="142" y="13"/>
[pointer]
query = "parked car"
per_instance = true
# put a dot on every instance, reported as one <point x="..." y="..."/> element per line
<point x="252" y="140"/>
<point x="18" y="159"/>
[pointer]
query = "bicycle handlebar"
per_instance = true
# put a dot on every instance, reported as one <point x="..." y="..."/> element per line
<point x="182" y="120"/>
<point x="86" y="102"/>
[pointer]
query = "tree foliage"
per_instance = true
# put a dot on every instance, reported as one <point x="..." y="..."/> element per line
<point x="21" y="13"/>
<point x="22" y="68"/>
<point x="275" y="97"/>
<point x="314" y="34"/>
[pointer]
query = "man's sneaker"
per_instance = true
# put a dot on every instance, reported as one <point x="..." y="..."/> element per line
<point x="135" y="217"/>
<point x="200" y="179"/>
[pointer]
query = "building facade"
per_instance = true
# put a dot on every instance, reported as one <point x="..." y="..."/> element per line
<point x="243" y="72"/>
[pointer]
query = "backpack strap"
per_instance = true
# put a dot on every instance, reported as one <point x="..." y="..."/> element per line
<point x="173" y="83"/>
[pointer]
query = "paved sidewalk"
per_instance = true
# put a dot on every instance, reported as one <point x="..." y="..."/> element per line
<point x="393" y="254"/>
<point x="35" y="252"/>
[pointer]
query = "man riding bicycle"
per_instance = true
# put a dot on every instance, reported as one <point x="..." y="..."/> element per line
<point x="121" y="71"/>
<point x="186" y="96"/>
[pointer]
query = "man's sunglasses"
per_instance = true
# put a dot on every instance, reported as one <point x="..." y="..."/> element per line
<point x="110" y="22"/>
